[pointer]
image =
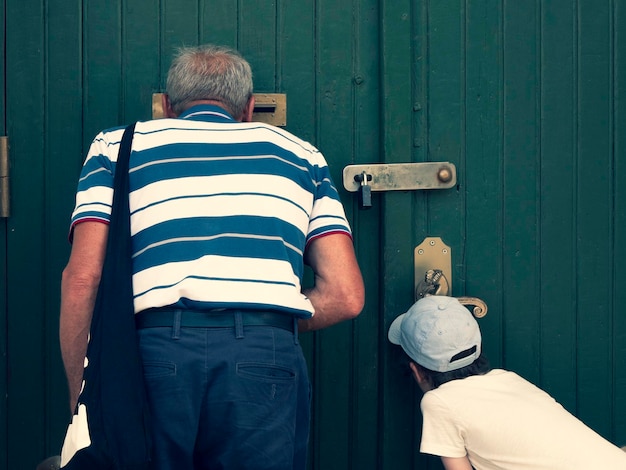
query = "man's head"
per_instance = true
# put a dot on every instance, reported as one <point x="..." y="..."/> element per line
<point x="209" y="73"/>
<point x="438" y="333"/>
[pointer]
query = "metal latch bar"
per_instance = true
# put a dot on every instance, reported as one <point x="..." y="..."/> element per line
<point x="402" y="176"/>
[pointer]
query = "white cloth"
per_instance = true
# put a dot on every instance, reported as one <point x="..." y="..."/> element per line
<point x="501" y="421"/>
<point x="77" y="436"/>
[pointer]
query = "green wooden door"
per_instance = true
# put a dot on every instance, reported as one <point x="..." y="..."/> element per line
<point x="525" y="98"/>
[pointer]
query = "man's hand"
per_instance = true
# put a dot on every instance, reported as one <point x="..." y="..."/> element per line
<point x="339" y="293"/>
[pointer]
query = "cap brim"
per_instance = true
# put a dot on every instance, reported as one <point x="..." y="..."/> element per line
<point x="395" y="330"/>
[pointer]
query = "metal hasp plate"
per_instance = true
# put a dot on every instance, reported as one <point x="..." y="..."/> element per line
<point x="433" y="266"/>
<point x="270" y="108"/>
<point x="5" y="206"/>
<point x="401" y="176"/>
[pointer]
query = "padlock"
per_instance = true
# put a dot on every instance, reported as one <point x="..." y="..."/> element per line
<point x="365" y="190"/>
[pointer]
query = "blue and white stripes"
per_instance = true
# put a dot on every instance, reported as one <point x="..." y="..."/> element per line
<point x="221" y="211"/>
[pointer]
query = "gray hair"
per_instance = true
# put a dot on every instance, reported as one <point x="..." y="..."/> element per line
<point x="209" y="72"/>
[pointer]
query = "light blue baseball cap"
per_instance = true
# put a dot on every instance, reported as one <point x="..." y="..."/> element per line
<point x="438" y="333"/>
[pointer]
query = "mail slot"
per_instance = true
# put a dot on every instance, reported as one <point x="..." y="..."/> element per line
<point x="270" y="108"/>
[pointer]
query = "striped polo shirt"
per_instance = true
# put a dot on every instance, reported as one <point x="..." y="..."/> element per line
<point x="221" y="211"/>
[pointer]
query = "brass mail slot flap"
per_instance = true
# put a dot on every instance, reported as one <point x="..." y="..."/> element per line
<point x="401" y="176"/>
<point x="270" y="108"/>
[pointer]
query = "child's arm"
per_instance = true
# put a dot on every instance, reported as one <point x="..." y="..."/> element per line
<point x="458" y="463"/>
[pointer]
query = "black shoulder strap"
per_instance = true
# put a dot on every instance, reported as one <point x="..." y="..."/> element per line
<point x="123" y="403"/>
<point x="120" y="182"/>
<point x="113" y="390"/>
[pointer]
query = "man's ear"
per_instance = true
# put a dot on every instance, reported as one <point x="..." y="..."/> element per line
<point x="167" y="106"/>
<point x="247" y="112"/>
<point x="417" y="375"/>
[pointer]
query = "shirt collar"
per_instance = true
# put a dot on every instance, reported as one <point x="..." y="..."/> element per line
<point x="208" y="113"/>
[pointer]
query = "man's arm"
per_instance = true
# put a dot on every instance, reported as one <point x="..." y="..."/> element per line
<point x="459" y="463"/>
<point x="338" y="293"/>
<point x="79" y="287"/>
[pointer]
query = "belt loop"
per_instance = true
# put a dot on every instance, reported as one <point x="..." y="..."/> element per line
<point x="178" y="314"/>
<point x="238" y="324"/>
<point x="295" y="331"/>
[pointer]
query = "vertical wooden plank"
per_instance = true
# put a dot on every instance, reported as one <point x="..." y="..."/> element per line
<point x="333" y="347"/>
<point x="296" y="72"/>
<point x="619" y="269"/>
<point x="257" y="41"/>
<point x="594" y="215"/>
<point x="366" y="228"/>
<point x="419" y="152"/>
<point x="3" y="68"/>
<point x="399" y="397"/>
<point x="62" y="161"/>
<point x="296" y="76"/>
<point x="446" y="125"/>
<point x="102" y="68"/>
<point x="179" y="28"/>
<point x="483" y="168"/>
<point x="141" y="58"/>
<point x="25" y="303"/>
<point x="218" y="23"/>
<point x="520" y="191"/>
<point x="558" y="177"/>
<point x="444" y="73"/>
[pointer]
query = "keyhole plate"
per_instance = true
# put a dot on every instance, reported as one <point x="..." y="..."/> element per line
<point x="433" y="253"/>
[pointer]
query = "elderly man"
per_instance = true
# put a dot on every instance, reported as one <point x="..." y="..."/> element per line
<point x="225" y="213"/>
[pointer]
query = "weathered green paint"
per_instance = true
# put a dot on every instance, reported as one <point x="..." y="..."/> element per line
<point x="594" y="215"/>
<point x="558" y="134"/>
<point x="62" y="143"/>
<point x="481" y="267"/>
<point x="25" y="93"/>
<point x="398" y="422"/>
<point x="525" y="98"/>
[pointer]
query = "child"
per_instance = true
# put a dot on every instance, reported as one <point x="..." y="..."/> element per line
<point x="482" y="417"/>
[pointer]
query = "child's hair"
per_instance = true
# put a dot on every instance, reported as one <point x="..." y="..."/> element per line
<point x="479" y="367"/>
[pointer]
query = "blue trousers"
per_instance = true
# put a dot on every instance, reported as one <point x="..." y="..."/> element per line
<point x="226" y="398"/>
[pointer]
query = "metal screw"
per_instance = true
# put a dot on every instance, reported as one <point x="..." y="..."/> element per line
<point x="444" y="175"/>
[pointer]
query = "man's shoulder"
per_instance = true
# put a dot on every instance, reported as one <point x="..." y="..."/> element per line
<point x="113" y="130"/>
<point x="278" y="134"/>
<point x="174" y="130"/>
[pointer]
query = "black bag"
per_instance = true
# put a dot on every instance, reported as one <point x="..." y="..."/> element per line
<point x="110" y="426"/>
